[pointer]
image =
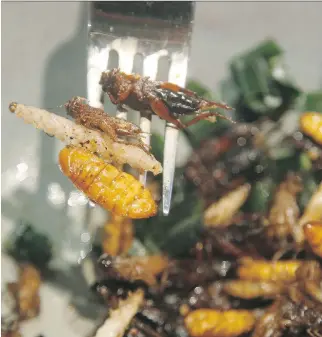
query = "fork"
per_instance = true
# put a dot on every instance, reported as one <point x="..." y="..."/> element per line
<point x="153" y="30"/>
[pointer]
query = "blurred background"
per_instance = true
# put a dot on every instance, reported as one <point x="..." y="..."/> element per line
<point x="44" y="65"/>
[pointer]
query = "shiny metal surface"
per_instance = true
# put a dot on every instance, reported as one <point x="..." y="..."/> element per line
<point x="113" y="28"/>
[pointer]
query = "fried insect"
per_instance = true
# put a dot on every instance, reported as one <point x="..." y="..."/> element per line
<point x="244" y="237"/>
<point x="299" y="310"/>
<point x="222" y="163"/>
<point x="311" y="125"/>
<point x="97" y="119"/>
<point x="134" y="268"/>
<point x="221" y="212"/>
<point x="117" y="235"/>
<point x="313" y="234"/>
<point x="110" y="188"/>
<point x="167" y="100"/>
<point x="119" y="319"/>
<point x="250" y="289"/>
<point x="268" y="271"/>
<point x="213" y="323"/>
<point x="284" y="212"/>
<point x="189" y="273"/>
<point x="26" y="292"/>
<point x="313" y="210"/>
<point x="79" y="136"/>
<point x="10" y="329"/>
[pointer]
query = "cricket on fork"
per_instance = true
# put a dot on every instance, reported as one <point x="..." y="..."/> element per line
<point x="147" y="31"/>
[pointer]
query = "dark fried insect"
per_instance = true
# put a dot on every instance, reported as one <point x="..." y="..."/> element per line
<point x="144" y="268"/>
<point x="167" y="100"/>
<point x="244" y="237"/>
<point x="98" y="119"/>
<point x="189" y="273"/>
<point x="224" y="162"/>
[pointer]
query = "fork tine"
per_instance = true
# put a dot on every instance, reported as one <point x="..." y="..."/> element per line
<point x="96" y="64"/>
<point x="169" y="163"/>
<point x="145" y="125"/>
<point x="177" y="75"/>
<point x="126" y="49"/>
<point x="150" y="69"/>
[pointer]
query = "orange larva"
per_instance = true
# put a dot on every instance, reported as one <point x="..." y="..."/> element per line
<point x="313" y="234"/>
<point x="311" y="124"/>
<point x="216" y="323"/>
<point x="114" y="190"/>
<point x="268" y="271"/>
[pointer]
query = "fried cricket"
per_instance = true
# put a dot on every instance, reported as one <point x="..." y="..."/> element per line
<point x="167" y="100"/>
<point x="97" y="119"/>
<point x="110" y="188"/>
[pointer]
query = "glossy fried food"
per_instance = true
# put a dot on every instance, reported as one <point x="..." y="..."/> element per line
<point x="313" y="210"/>
<point x="261" y="270"/>
<point x="251" y="289"/>
<point x="116" y="191"/>
<point x="117" y="235"/>
<point x="313" y="234"/>
<point x="311" y="125"/>
<point x="73" y="134"/>
<point x="167" y="100"/>
<point x="215" y="323"/>
<point x="222" y="211"/>
<point x="26" y="292"/>
<point x="284" y="213"/>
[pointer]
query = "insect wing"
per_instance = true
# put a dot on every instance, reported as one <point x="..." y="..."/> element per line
<point x="178" y="102"/>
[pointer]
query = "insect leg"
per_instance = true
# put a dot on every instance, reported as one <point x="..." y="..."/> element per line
<point x="205" y="116"/>
<point x="121" y="108"/>
<point x="160" y="109"/>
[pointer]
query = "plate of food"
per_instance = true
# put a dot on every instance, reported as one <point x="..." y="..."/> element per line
<point x="239" y="253"/>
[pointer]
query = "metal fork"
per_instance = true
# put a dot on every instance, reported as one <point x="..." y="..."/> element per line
<point x="151" y="29"/>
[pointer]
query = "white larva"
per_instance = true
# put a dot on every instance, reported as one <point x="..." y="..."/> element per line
<point x="77" y="135"/>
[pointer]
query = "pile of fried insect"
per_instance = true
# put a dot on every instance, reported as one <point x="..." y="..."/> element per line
<point x="239" y="254"/>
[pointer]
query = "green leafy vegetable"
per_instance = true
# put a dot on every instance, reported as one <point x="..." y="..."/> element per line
<point x="28" y="245"/>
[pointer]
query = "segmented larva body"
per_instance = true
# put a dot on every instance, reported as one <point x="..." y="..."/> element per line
<point x="116" y="191"/>
<point x="311" y="124"/>
<point x="216" y="323"/>
<point x="274" y="271"/>
<point x="313" y="234"/>
<point x="94" y="141"/>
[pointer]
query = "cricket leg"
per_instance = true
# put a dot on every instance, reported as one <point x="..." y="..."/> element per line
<point x="205" y="116"/>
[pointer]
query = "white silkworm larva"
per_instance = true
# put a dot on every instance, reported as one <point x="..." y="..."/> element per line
<point x="77" y="135"/>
